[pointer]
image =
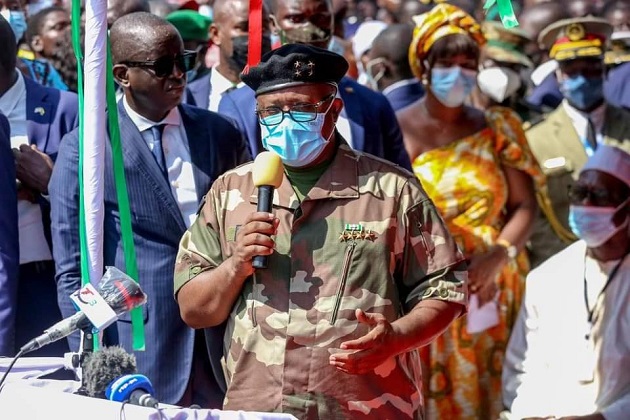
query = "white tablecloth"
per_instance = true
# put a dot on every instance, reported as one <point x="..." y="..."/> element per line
<point x="26" y="396"/>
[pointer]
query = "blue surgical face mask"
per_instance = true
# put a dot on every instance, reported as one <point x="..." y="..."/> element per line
<point x="595" y="224"/>
<point x="36" y="6"/>
<point x="452" y="85"/>
<point x="582" y="92"/>
<point x="297" y="143"/>
<point x="17" y="20"/>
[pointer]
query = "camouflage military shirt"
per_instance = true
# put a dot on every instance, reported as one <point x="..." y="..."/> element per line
<point x="367" y="237"/>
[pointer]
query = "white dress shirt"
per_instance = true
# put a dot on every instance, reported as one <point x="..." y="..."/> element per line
<point x="33" y="244"/>
<point x="557" y="363"/>
<point x="176" y="155"/>
<point x="219" y="85"/>
<point x="580" y="119"/>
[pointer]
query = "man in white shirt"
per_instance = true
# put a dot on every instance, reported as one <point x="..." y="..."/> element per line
<point x="39" y="117"/>
<point x="569" y="353"/>
<point x="570" y="134"/>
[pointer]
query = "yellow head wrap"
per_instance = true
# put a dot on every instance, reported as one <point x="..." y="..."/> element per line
<point x="444" y="19"/>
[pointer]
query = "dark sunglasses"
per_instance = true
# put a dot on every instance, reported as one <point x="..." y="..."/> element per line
<point x="597" y="196"/>
<point x="163" y="66"/>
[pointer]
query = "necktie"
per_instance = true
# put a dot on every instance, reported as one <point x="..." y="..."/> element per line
<point x="591" y="137"/>
<point x="158" y="152"/>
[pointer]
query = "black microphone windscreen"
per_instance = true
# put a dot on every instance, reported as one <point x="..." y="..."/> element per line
<point x="120" y="291"/>
<point x="104" y="366"/>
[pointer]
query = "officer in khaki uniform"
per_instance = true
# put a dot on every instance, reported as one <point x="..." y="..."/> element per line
<point x="567" y="136"/>
<point x="361" y="268"/>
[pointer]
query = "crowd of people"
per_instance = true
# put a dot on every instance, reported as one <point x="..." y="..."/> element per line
<point x="448" y="239"/>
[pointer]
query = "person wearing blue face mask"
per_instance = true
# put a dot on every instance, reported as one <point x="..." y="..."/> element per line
<point x="477" y="168"/>
<point x="569" y="354"/>
<point x="361" y="268"/>
<point x="564" y="140"/>
<point x="13" y="11"/>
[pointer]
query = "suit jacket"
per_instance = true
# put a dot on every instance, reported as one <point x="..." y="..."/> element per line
<point x="9" y="246"/>
<point x="215" y="147"/>
<point x="372" y="120"/>
<point x="617" y="86"/>
<point x="404" y="94"/>
<point x="547" y="95"/>
<point x="561" y="155"/>
<point x="198" y="92"/>
<point x="50" y="114"/>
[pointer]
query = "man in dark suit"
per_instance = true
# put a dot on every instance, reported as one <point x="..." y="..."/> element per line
<point x="388" y="66"/>
<point x="39" y="117"/>
<point x="9" y="247"/>
<point x="367" y="122"/>
<point x="172" y="154"/>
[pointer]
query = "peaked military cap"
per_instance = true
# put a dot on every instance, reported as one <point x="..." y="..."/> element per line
<point x="619" y="48"/>
<point x="506" y="44"/>
<point x="294" y="65"/>
<point x="568" y="39"/>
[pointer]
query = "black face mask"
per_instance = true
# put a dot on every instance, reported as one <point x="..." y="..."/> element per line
<point x="240" y="45"/>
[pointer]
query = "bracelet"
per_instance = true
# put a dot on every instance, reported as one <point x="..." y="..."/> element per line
<point x="511" y="250"/>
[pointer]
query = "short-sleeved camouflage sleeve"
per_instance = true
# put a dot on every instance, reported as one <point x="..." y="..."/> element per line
<point x="433" y="266"/>
<point x="200" y="247"/>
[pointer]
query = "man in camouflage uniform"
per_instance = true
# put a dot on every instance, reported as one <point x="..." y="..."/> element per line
<point x="362" y="270"/>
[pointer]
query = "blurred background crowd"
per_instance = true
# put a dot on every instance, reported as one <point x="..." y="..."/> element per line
<point x="497" y="123"/>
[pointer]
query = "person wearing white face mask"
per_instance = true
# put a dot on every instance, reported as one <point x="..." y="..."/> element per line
<point x="13" y="11"/>
<point x="569" y="354"/>
<point x="503" y="61"/>
<point x="361" y="269"/>
<point x="478" y="170"/>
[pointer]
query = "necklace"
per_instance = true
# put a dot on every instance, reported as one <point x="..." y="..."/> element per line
<point x="611" y="277"/>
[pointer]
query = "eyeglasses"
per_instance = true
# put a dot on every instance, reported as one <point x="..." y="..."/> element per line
<point x="163" y="66"/>
<point x="299" y="113"/>
<point x="598" y="196"/>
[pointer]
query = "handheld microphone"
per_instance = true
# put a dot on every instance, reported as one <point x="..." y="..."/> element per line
<point x="121" y="293"/>
<point x="104" y="367"/>
<point x="135" y="389"/>
<point x="267" y="176"/>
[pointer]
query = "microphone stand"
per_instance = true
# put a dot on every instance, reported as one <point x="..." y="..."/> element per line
<point x="79" y="360"/>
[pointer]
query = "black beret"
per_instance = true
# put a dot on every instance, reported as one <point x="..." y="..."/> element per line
<point x="293" y="65"/>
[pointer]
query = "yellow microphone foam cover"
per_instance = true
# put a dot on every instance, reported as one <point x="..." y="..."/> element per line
<point x="268" y="170"/>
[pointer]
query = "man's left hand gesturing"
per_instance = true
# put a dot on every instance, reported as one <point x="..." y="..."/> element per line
<point x="370" y="351"/>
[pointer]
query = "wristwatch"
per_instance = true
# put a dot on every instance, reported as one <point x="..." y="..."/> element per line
<point x="511" y="250"/>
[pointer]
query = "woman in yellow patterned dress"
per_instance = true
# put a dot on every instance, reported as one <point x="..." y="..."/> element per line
<point x="477" y="168"/>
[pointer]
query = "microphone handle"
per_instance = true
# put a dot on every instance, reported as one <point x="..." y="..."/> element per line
<point x="143" y="398"/>
<point x="265" y="201"/>
<point x="60" y="330"/>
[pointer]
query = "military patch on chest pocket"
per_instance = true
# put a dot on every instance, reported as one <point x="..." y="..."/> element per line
<point x="231" y="233"/>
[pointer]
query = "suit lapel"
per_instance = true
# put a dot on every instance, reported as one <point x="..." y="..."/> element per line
<point x="352" y="110"/>
<point x="39" y="114"/>
<point x="139" y="157"/>
<point x="200" y="151"/>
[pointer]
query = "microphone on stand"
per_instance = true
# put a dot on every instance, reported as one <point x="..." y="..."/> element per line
<point x="267" y="175"/>
<point x="111" y="374"/>
<point x="104" y="367"/>
<point x="135" y="389"/>
<point x="119" y="293"/>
